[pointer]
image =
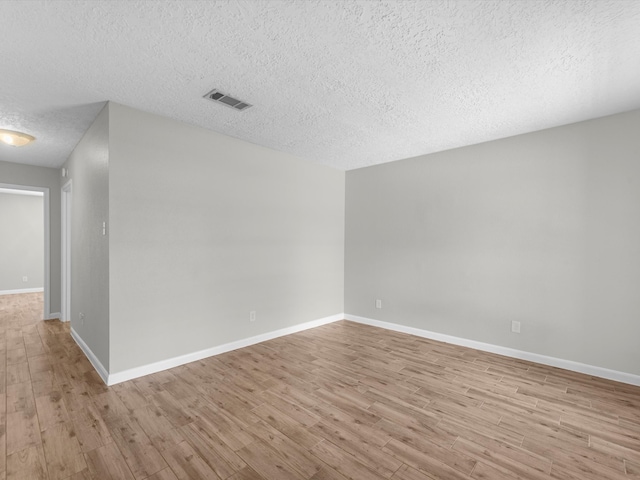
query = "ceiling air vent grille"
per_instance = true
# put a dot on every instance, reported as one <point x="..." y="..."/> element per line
<point x="219" y="97"/>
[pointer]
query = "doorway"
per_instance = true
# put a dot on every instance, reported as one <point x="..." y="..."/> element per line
<point x="44" y="193"/>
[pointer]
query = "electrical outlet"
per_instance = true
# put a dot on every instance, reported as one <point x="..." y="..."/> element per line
<point x="81" y="315"/>
<point x="25" y="279"/>
<point x="252" y="316"/>
<point x="378" y="303"/>
<point x="515" y="326"/>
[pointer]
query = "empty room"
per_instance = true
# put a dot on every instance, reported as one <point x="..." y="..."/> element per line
<point x="320" y="239"/>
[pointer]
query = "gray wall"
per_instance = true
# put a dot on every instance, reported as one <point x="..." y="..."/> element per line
<point x="542" y="228"/>
<point x="205" y="228"/>
<point x="32" y="176"/>
<point x="88" y="168"/>
<point x="21" y="241"/>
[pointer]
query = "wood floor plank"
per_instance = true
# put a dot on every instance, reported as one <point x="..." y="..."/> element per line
<point x="548" y="431"/>
<point x="503" y="457"/>
<point x="584" y="470"/>
<point x="480" y="430"/>
<point x="62" y="451"/>
<point x="166" y="474"/>
<point x="223" y="399"/>
<point x="83" y="475"/>
<point x="141" y="456"/>
<point x="613" y="450"/>
<point x="359" y="447"/>
<point x="485" y="471"/>
<point x="409" y="473"/>
<point x="357" y="412"/>
<point x="267" y="461"/>
<point x="627" y="437"/>
<point x="632" y="469"/>
<point x="160" y="431"/>
<point x="328" y="473"/>
<point x="27" y="464"/>
<point x="75" y="395"/>
<point x="18" y="373"/>
<point x="286" y="425"/>
<point x="294" y="410"/>
<point x="343" y="462"/>
<point x="212" y="419"/>
<point x="186" y="464"/>
<point x="246" y="473"/>
<point x="91" y="430"/>
<point x="16" y="355"/>
<point x="109" y="404"/>
<point x="407" y="400"/>
<point x="293" y="453"/>
<point x="431" y="465"/>
<point x="413" y="434"/>
<point x="572" y="456"/>
<point x="20" y="398"/>
<point x="131" y="396"/>
<point x="213" y="450"/>
<point x="108" y="463"/>
<point x="23" y="431"/>
<point x="51" y="410"/>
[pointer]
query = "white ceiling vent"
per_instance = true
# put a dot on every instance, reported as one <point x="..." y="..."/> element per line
<point x="218" y="96"/>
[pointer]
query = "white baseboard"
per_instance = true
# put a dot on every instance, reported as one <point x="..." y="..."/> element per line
<point x="91" y="356"/>
<point x="21" y="290"/>
<point x="506" y="351"/>
<point x="209" y="352"/>
<point x="55" y="316"/>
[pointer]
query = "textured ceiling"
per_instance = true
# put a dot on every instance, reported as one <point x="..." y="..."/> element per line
<point x="343" y="83"/>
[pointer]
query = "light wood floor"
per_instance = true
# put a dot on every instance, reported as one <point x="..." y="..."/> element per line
<point x="340" y="401"/>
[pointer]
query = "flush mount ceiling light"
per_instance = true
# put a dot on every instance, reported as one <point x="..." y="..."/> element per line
<point x="15" y="139"/>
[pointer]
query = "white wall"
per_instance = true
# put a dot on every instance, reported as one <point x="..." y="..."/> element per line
<point x="88" y="168"/>
<point x="32" y="176"/>
<point x="542" y="228"/>
<point x="205" y="228"/>
<point x="21" y="241"/>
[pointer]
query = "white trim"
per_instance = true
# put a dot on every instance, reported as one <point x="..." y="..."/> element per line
<point x="47" y="255"/>
<point x="21" y="290"/>
<point x="54" y="316"/>
<point x="506" y="351"/>
<point x="209" y="352"/>
<point x="65" y="254"/>
<point x="91" y="356"/>
<point x="15" y="191"/>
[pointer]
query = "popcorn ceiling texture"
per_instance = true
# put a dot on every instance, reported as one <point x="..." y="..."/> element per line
<point x="342" y="83"/>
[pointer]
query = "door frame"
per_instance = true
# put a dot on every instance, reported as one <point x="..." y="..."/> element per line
<point x="65" y="263"/>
